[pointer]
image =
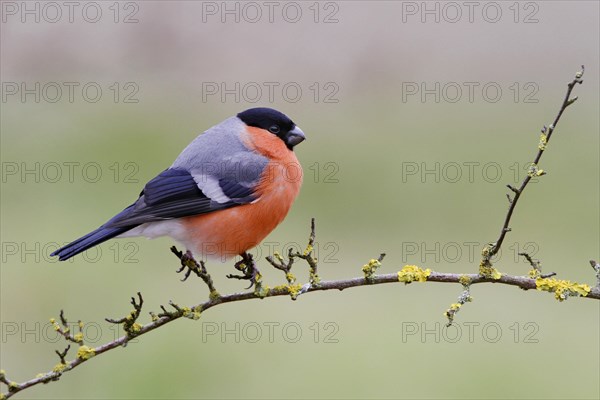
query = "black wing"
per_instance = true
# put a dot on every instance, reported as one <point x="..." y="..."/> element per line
<point x="174" y="194"/>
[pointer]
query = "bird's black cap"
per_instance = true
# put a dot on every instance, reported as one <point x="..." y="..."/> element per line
<point x="275" y="122"/>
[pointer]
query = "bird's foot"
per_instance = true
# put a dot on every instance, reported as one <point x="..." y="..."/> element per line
<point x="188" y="263"/>
<point x="248" y="268"/>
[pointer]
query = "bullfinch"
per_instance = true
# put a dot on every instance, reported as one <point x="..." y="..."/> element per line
<point x="226" y="191"/>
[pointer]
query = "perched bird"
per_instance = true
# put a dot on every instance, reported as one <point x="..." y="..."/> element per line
<point x="226" y="191"/>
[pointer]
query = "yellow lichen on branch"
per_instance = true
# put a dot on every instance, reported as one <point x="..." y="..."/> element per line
<point x="60" y="367"/>
<point x="85" y="352"/>
<point x="412" y="273"/>
<point x="543" y="142"/>
<point x="370" y="268"/>
<point x="562" y="289"/>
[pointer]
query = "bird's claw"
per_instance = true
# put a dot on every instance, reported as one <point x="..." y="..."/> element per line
<point x="248" y="269"/>
<point x="187" y="261"/>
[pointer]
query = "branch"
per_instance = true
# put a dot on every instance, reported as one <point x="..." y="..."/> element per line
<point x="562" y="289"/>
<point x="407" y="275"/>
<point x="518" y="281"/>
<point x="533" y="169"/>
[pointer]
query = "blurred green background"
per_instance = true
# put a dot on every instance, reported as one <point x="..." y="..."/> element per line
<point x="370" y="144"/>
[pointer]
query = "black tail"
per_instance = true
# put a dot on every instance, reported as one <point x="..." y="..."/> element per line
<point x="92" y="239"/>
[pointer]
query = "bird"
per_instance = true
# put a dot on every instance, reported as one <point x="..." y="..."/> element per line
<point x="224" y="193"/>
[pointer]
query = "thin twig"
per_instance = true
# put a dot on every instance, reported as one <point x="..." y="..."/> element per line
<point x="546" y="135"/>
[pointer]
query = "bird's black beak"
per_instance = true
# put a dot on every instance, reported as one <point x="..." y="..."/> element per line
<point x="294" y="137"/>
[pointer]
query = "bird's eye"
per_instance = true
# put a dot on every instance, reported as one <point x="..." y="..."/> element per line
<point x="274" y="129"/>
